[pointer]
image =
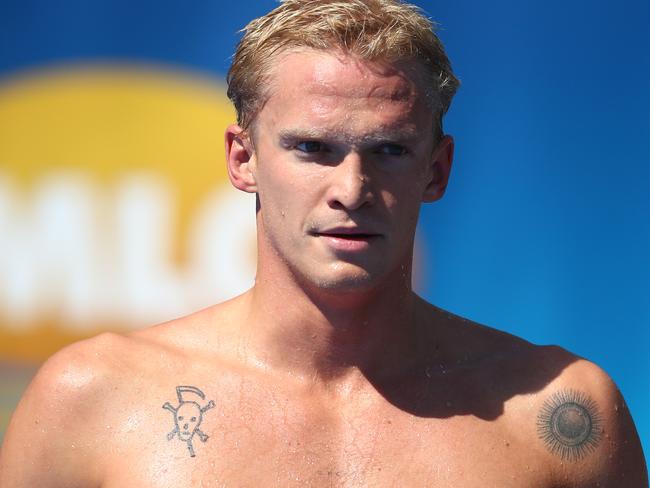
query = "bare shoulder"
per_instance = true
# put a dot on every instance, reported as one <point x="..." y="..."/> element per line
<point x="96" y="393"/>
<point x="52" y="432"/>
<point x="564" y="414"/>
<point x="583" y="427"/>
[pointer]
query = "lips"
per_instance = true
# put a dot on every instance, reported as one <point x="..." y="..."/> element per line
<point x="344" y="231"/>
<point x="359" y="236"/>
<point x="347" y="239"/>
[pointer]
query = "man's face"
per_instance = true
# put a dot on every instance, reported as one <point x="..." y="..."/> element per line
<point x="343" y="156"/>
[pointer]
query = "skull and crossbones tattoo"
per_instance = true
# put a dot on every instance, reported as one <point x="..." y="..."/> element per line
<point x="188" y="416"/>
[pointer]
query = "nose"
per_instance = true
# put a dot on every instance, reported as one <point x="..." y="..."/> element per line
<point x="350" y="184"/>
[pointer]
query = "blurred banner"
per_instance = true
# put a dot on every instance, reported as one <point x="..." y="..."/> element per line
<point x="115" y="207"/>
<point x="116" y="211"/>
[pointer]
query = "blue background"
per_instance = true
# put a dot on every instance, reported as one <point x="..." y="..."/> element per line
<point x="544" y="231"/>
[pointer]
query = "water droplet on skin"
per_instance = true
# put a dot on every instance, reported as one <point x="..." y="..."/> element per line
<point x="427" y="371"/>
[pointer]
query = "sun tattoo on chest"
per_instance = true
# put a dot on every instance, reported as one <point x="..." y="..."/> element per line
<point x="570" y="425"/>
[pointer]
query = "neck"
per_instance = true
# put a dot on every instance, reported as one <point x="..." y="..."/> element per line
<point x="325" y="335"/>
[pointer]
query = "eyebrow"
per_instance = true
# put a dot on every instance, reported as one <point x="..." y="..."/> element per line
<point x="406" y="133"/>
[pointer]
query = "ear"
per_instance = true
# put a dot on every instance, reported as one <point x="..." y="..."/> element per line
<point x="440" y="169"/>
<point x="240" y="159"/>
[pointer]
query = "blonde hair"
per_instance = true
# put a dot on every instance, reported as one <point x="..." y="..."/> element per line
<point x="374" y="30"/>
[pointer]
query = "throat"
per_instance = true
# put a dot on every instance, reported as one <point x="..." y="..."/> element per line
<point x="322" y="344"/>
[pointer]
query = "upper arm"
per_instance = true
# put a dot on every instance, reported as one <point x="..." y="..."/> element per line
<point x="621" y="461"/>
<point x="587" y="429"/>
<point x="49" y="441"/>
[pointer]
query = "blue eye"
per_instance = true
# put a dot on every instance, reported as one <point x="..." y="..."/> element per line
<point x="310" y="146"/>
<point x="392" y="150"/>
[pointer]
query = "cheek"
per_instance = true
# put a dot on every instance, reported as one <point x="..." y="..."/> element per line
<point x="287" y="196"/>
<point x="280" y="209"/>
<point x="403" y="199"/>
<point x="403" y="206"/>
<point x="274" y="195"/>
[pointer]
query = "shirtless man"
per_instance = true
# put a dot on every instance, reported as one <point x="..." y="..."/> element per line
<point x="330" y="371"/>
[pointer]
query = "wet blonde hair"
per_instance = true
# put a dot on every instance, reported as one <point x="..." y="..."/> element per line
<point x="374" y="30"/>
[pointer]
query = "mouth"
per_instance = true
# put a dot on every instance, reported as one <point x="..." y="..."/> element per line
<point x="354" y="237"/>
<point x="347" y="240"/>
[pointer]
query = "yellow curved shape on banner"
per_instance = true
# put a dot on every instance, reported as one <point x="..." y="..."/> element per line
<point x="106" y="122"/>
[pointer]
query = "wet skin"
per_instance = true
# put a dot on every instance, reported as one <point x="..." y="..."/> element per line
<point x="330" y="371"/>
<point x="342" y="155"/>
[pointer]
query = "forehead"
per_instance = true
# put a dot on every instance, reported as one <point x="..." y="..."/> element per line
<point x="316" y="85"/>
<point x="334" y="70"/>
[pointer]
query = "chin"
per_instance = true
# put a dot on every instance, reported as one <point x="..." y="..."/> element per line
<point x="359" y="281"/>
<point x="341" y="276"/>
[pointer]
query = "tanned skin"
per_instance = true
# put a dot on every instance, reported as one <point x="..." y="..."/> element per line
<point x="330" y="371"/>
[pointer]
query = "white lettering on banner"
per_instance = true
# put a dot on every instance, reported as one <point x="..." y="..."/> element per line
<point x="47" y="252"/>
<point x="86" y="256"/>
<point x="151" y="288"/>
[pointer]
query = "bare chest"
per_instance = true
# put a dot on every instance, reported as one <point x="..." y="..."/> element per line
<point x="192" y="440"/>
